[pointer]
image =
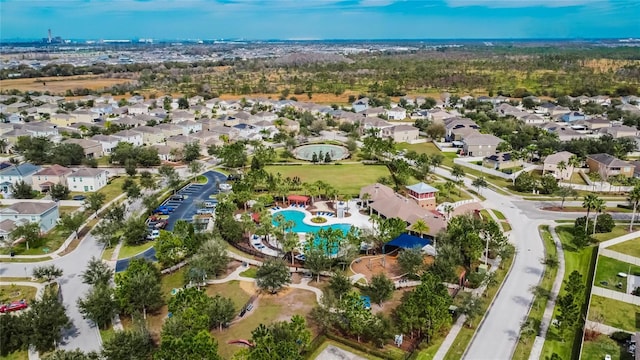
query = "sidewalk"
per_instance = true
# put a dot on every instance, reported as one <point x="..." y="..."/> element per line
<point x="620" y="256"/>
<point x="602" y="328"/>
<point x="536" y="350"/>
<point x="616" y="295"/>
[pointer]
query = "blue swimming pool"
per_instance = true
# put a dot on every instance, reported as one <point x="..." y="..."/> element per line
<point x="300" y="227"/>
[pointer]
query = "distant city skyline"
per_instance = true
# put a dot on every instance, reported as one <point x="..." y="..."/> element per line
<point x="320" y="19"/>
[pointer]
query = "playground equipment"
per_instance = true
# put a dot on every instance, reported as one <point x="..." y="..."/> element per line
<point x="240" y="342"/>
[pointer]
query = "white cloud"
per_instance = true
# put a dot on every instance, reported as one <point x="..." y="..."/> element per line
<point x="521" y="3"/>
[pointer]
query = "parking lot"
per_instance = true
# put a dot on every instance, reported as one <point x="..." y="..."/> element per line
<point x="183" y="209"/>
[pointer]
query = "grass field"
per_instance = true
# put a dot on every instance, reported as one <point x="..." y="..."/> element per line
<point x="603" y="345"/>
<point x="430" y="149"/>
<point x="579" y="260"/>
<point x="615" y="313"/>
<point x="607" y="272"/>
<point x="250" y="272"/>
<point x="231" y="290"/>
<point x="631" y="247"/>
<point x="525" y="344"/>
<point x="18" y="355"/>
<point x="347" y="179"/>
<point x="127" y="251"/>
<point x="9" y="293"/>
<point x="618" y="230"/>
<point x="58" y="85"/>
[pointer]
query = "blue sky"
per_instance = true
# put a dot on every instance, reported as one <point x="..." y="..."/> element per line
<point x="320" y="19"/>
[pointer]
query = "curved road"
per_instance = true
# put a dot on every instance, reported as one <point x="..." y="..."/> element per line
<point x="84" y="335"/>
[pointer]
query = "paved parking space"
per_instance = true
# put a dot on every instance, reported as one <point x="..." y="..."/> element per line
<point x="183" y="210"/>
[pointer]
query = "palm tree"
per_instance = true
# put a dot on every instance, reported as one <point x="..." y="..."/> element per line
<point x="598" y="206"/>
<point x="448" y="209"/>
<point x="574" y="162"/>
<point x="634" y="199"/>
<point x="420" y="227"/>
<point x="365" y="200"/>
<point x="588" y="203"/>
<point x="479" y="182"/>
<point x="562" y="166"/>
<point x="4" y="144"/>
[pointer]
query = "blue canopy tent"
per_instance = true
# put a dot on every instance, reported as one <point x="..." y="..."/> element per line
<point x="406" y="241"/>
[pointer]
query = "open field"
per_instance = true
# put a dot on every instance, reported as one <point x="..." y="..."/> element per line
<point x="618" y="230"/>
<point x="347" y="179"/>
<point x="579" y="260"/>
<point x="607" y="273"/>
<point x="57" y="85"/>
<point x="631" y="247"/>
<point x="615" y="313"/>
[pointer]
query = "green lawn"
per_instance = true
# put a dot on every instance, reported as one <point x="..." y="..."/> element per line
<point x="607" y="272"/>
<point x="201" y="179"/>
<point x="107" y="334"/>
<point x="537" y="310"/>
<point x="9" y="293"/>
<point x="615" y="313"/>
<point x="505" y="226"/>
<point x="429" y="352"/>
<point x="574" y="260"/>
<point x="250" y="272"/>
<point x="171" y="281"/>
<point x="603" y="345"/>
<point x="618" y="230"/>
<point x="51" y="242"/>
<point x="499" y="214"/>
<point x="347" y="179"/>
<point x="631" y="247"/>
<point x="127" y="251"/>
<point x="230" y="290"/>
<point x="18" y="355"/>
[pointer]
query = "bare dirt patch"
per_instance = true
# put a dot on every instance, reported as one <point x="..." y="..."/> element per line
<point x="59" y="85"/>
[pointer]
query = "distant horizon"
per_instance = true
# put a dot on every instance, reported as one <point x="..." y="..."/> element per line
<point x="321" y="19"/>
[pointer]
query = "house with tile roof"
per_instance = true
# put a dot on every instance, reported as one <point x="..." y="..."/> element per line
<point x="56" y="174"/>
<point x="87" y="180"/>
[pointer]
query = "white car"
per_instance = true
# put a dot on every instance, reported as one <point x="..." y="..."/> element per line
<point x="154" y="234"/>
<point x="607" y="357"/>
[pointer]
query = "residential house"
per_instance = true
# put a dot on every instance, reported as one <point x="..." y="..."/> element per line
<point x="564" y="132"/>
<point x="16" y="173"/>
<point x="573" y="116"/>
<point x="181" y="115"/>
<point x="594" y="124"/>
<point x="56" y="174"/>
<point x="92" y="149"/>
<point x="169" y="129"/>
<point x="401" y="133"/>
<point x="287" y="125"/>
<point x="248" y="132"/>
<point x="107" y="142"/>
<point x="228" y="120"/>
<point x="150" y="135"/>
<point x="48" y="109"/>
<point x="158" y="113"/>
<point x="619" y="131"/>
<point x="457" y="128"/>
<point x="39" y="129"/>
<point x="396" y="113"/>
<point x="558" y="165"/>
<point x="373" y="112"/>
<point x="129" y="122"/>
<point x="179" y="141"/>
<point x="243" y="117"/>
<point x="164" y="152"/>
<point x="375" y="123"/>
<point x="83" y="116"/>
<point x="129" y="136"/>
<point x="389" y="204"/>
<point x="608" y="165"/>
<point x="266" y="116"/>
<point x="360" y="104"/>
<point x="17" y="107"/>
<point x="87" y="180"/>
<point x="189" y="127"/>
<point x="45" y="214"/>
<point x="480" y="144"/>
<point x="559" y="110"/>
<point x="225" y="133"/>
<point x="501" y="161"/>
<point x="6" y="227"/>
<point x="62" y="119"/>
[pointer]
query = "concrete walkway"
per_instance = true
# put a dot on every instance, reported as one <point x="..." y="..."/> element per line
<point x="620" y="256"/>
<point x="602" y="328"/>
<point x="616" y="295"/>
<point x="536" y="350"/>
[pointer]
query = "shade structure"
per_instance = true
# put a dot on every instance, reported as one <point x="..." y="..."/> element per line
<point x="406" y="241"/>
<point x="298" y="199"/>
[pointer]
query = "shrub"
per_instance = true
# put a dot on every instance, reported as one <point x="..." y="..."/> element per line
<point x="621" y="336"/>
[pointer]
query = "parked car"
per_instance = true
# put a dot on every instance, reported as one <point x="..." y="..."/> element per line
<point x="79" y="197"/>
<point x="210" y="204"/>
<point x="14" y="306"/>
<point x="177" y="197"/>
<point x="204" y="211"/>
<point x="164" y="210"/>
<point x="154" y="234"/>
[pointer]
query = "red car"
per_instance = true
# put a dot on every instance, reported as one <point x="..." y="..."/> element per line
<point x="14" y="306"/>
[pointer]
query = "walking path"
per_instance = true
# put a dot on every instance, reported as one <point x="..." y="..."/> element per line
<point x="615" y="295"/>
<point x="538" y="344"/>
<point x="602" y="328"/>
<point x="619" y="256"/>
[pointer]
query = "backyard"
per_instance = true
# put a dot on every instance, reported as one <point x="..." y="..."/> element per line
<point x="603" y="345"/>
<point x="615" y="313"/>
<point x="608" y="270"/>
<point x="630" y="247"/>
<point x="9" y="293"/>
